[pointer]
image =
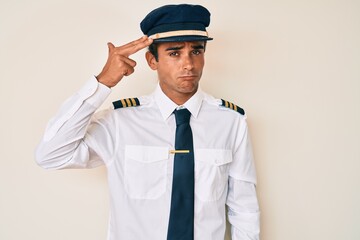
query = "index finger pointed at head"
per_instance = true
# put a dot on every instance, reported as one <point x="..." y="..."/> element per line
<point x="137" y="45"/>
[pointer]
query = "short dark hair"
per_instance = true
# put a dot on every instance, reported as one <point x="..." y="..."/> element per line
<point x="153" y="49"/>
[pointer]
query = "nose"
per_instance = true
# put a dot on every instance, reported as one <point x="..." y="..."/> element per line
<point x="188" y="63"/>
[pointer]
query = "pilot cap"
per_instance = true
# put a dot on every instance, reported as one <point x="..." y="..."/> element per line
<point x="177" y="23"/>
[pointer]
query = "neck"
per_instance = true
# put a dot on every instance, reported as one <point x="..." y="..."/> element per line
<point x="179" y="98"/>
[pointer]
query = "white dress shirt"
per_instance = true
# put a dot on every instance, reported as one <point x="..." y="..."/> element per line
<point x="135" y="142"/>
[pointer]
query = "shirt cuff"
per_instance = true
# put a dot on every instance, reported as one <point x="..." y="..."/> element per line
<point x="94" y="92"/>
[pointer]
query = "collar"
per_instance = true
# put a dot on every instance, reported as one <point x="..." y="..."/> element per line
<point x="167" y="106"/>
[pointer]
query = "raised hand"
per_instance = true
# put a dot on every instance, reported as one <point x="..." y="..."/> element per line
<point x="118" y="63"/>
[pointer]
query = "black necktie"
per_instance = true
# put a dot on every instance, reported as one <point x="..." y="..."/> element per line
<point x="181" y="222"/>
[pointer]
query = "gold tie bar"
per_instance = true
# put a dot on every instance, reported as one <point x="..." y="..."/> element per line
<point x="179" y="151"/>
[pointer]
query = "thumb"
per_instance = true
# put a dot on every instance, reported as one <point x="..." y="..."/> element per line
<point x="110" y="46"/>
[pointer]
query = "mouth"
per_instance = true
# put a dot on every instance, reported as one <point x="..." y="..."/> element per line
<point x="188" y="77"/>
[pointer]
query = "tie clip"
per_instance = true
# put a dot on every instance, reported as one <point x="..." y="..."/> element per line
<point x="179" y="151"/>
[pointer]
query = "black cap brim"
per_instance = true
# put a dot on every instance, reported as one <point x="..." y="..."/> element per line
<point x="190" y="38"/>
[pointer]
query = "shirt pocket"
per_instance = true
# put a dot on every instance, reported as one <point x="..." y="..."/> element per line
<point x="211" y="173"/>
<point x="145" y="171"/>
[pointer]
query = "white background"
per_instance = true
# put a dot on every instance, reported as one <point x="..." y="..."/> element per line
<point x="294" y="66"/>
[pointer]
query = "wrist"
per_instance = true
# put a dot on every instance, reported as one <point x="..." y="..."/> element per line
<point x="101" y="79"/>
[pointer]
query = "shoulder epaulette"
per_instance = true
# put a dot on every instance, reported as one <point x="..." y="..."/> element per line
<point x="128" y="102"/>
<point x="232" y="106"/>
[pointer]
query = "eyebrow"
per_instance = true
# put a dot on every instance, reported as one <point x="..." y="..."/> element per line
<point x="174" y="48"/>
<point x="198" y="47"/>
<point x="181" y="47"/>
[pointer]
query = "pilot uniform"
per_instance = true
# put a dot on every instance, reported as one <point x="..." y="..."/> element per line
<point x="135" y="141"/>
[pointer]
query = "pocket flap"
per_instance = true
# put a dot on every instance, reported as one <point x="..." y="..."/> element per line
<point x="146" y="153"/>
<point x="214" y="156"/>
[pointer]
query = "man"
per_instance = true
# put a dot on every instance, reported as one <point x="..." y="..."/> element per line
<point x="176" y="157"/>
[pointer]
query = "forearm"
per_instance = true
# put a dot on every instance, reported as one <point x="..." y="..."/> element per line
<point x="63" y="138"/>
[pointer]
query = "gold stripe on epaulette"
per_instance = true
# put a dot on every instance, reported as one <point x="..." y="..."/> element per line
<point x="123" y="102"/>
<point x="133" y="101"/>
<point x="128" y="102"/>
<point x="231" y="106"/>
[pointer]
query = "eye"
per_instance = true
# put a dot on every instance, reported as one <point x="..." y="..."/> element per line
<point x="196" y="52"/>
<point x="173" y="54"/>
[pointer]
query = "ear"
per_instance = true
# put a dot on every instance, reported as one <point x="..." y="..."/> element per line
<point x="151" y="60"/>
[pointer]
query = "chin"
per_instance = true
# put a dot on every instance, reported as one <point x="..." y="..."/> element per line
<point x="189" y="89"/>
